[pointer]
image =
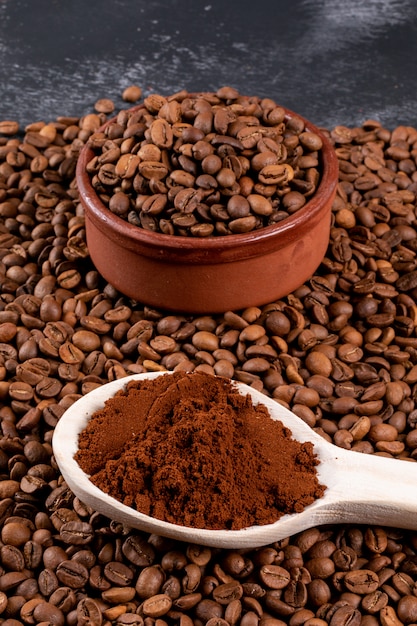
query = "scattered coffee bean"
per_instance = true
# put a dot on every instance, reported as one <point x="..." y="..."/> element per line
<point x="341" y="352"/>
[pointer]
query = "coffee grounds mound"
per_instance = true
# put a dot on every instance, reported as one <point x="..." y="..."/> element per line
<point x="189" y="449"/>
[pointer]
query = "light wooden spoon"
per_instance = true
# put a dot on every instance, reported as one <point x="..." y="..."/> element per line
<point x="361" y="488"/>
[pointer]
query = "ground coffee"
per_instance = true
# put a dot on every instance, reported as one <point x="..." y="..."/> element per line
<point x="190" y="449"/>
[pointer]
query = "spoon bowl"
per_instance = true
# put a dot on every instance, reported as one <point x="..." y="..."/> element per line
<point x="360" y="488"/>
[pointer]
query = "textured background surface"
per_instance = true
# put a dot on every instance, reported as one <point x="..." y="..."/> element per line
<point x="334" y="61"/>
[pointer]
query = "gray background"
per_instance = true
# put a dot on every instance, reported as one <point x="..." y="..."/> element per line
<point x="333" y="61"/>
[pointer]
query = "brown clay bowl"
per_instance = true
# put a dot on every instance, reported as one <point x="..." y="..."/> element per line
<point x="212" y="274"/>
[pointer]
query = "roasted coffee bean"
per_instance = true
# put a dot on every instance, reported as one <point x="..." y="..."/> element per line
<point x="138" y="551"/>
<point x="64" y="598"/>
<point x="361" y="581"/>
<point x="156" y="606"/>
<point x="15" y="533"/>
<point x="88" y="611"/>
<point x="72" y="574"/>
<point x="9" y="127"/>
<point x="150" y="581"/>
<point x="12" y="558"/>
<point x="76" y="533"/>
<point x="118" y="573"/>
<point x="228" y="592"/>
<point x="274" y="576"/>
<point x="48" y="582"/>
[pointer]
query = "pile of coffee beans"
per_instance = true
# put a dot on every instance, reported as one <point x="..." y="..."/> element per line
<point x="205" y="164"/>
<point x="341" y="352"/>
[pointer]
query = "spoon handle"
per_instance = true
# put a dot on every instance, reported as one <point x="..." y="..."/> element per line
<point x="374" y="490"/>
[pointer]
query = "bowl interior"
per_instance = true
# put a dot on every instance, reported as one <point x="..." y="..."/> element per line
<point x="250" y="243"/>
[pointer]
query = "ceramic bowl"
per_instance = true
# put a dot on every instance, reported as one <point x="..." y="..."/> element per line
<point x="212" y="274"/>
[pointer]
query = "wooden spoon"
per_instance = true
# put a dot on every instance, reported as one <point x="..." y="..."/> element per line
<point x="361" y="488"/>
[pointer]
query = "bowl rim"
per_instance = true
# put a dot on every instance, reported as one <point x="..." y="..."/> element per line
<point x="255" y="242"/>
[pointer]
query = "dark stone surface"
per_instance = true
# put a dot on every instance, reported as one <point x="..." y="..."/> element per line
<point x="333" y="61"/>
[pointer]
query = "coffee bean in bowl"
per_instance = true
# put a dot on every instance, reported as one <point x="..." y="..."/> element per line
<point x="206" y="202"/>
